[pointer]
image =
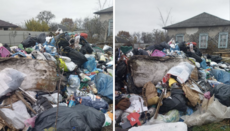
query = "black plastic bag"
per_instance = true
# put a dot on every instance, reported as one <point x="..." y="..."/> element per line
<point x="139" y="52"/>
<point x="183" y="47"/>
<point x="177" y="102"/>
<point x="152" y="47"/>
<point x="61" y="41"/>
<point x="222" y="93"/>
<point x="121" y="69"/>
<point x="86" y="48"/>
<point x="42" y="38"/>
<point x="29" y="42"/>
<point x="193" y="55"/>
<point x="7" y="47"/>
<point x="75" y="56"/>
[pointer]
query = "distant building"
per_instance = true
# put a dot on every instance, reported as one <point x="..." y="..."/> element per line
<point x="6" y="25"/>
<point x="106" y="15"/>
<point x="208" y="31"/>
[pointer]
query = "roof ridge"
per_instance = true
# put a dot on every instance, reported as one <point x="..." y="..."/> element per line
<point x="176" y="25"/>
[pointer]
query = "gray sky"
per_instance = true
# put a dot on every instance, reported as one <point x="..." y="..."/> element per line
<point x="143" y="15"/>
<point x="17" y="11"/>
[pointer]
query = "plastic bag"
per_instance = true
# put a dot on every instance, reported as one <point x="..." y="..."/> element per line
<point x="17" y="116"/>
<point x="171" y="116"/>
<point x="74" y="81"/>
<point x="38" y="55"/>
<point x="4" y="52"/>
<point x="182" y="71"/>
<point x="29" y="41"/>
<point x="215" y="112"/>
<point x="104" y="85"/>
<point x="75" y="56"/>
<point x="69" y="64"/>
<point x="91" y="64"/>
<point x="41" y="38"/>
<point x="49" y="57"/>
<point x="10" y="80"/>
<point x="221" y="76"/>
<point x="53" y="97"/>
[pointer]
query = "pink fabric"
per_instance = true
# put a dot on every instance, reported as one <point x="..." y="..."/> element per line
<point x="30" y="122"/>
<point x="158" y="53"/>
<point x="4" y="52"/>
<point x="207" y="95"/>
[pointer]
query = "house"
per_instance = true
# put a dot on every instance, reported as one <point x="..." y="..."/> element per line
<point x="6" y="25"/>
<point x="210" y="32"/>
<point x="106" y="15"/>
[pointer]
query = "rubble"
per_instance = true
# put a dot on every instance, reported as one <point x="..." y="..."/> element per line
<point x="180" y="87"/>
<point x="60" y="82"/>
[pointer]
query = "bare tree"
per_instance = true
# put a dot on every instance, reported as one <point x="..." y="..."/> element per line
<point x="45" y="16"/>
<point x="79" y="23"/>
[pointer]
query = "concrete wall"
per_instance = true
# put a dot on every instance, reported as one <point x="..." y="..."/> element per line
<point x="192" y="35"/>
<point x="16" y="37"/>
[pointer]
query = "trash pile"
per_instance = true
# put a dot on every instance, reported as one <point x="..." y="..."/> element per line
<point x="169" y="86"/>
<point x="49" y="76"/>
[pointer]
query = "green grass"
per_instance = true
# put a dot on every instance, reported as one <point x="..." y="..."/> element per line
<point x="220" y="126"/>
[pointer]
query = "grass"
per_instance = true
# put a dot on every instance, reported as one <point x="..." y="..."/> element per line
<point x="220" y="126"/>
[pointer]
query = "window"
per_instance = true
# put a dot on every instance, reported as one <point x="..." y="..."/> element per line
<point x="179" y="38"/>
<point x="203" y="41"/>
<point x="223" y="40"/>
<point x="110" y="28"/>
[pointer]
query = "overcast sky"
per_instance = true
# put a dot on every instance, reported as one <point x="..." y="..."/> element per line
<point x="143" y="15"/>
<point x="17" y="11"/>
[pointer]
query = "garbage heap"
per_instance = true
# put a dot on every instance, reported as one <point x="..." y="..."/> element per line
<point x="169" y="86"/>
<point x="66" y="71"/>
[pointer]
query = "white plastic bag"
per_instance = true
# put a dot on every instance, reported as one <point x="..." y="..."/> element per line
<point x="53" y="97"/>
<point x="17" y="116"/>
<point x="171" y="116"/>
<point x="108" y="120"/>
<point x="10" y="80"/>
<point x="215" y="112"/>
<point x="177" y="126"/>
<point x="69" y="64"/>
<point x="182" y="71"/>
<point x="38" y="55"/>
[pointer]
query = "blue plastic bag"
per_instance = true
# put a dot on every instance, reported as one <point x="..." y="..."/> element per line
<point x="221" y="76"/>
<point x="52" y="42"/>
<point x="104" y="85"/>
<point x="203" y="64"/>
<point x="91" y="64"/>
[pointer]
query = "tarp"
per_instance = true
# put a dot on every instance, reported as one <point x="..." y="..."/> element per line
<point x="77" y="118"/>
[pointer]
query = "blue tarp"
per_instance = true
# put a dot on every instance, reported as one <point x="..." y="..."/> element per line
<point x="104" y="85"/>
<point x="221" y="76"/>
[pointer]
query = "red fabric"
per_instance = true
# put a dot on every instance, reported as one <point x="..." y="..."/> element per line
<point x="194" y="43"/>
<point x="134" y="118"/>
<point x="84" y="35"/>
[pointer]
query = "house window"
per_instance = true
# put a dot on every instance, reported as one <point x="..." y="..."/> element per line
<point x="110" y="28"/>
<point x="179" y="38"/>
<point x="223" y="40"/>
<point x="203" y="41"/>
